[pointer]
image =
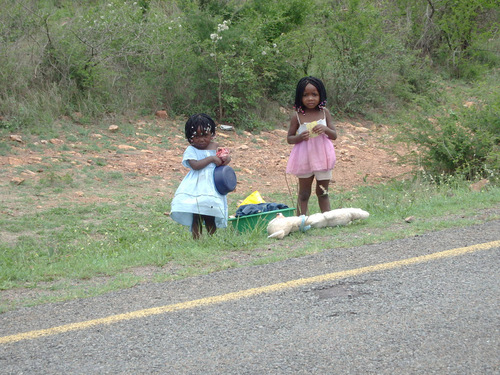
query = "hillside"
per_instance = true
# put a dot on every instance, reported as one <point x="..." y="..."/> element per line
<point x="150" y="160"/>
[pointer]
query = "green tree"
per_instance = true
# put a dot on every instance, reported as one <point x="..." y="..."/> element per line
<point x="447" y="29"/>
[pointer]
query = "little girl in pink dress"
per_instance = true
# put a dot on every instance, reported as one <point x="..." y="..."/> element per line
<point x="311" y="132"/>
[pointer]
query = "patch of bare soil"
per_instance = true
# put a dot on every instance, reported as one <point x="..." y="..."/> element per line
<point x="365" y="156"/>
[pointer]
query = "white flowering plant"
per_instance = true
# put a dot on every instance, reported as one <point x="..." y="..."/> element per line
<point x="243" y="65"/>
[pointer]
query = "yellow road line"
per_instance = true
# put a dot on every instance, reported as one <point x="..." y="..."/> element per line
<point x="245" y="293"/>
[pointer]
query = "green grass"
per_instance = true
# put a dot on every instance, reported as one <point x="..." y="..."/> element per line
<point x="56" y="246"/>
<point x="77" y="250"/>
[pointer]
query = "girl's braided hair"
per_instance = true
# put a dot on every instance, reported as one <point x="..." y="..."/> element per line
<point x="195" y="122"/>
<point x="299" y="92"/>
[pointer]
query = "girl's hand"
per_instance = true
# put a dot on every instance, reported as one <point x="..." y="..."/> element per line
<point x="304" y="136"/>
<point x="320" y="129"/>
<point x="222" y="152"/>
<point x="226" y="160"/>
<point x="217" y="161"/>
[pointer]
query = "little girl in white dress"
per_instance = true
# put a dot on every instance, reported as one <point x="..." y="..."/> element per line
<point x="196" y="200"/>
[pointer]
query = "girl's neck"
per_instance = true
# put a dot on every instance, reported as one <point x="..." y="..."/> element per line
<point x="311" y="111"/>
<point x="311" y="114"/>
<point x="211" y="146"/>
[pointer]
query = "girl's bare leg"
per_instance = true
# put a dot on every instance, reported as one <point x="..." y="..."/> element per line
<point x="322" y="193"/>
<point x="210" y="224"/>
<point x="197" y="227"/>
<point x="304" y="194"/>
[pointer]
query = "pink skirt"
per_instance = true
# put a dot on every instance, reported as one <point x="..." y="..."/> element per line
<point x="315" y="154"/>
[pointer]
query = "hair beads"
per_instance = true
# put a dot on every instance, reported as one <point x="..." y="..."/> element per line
<point x="316" y="82"/>
<point x="299" y="109"/>
<point x="197" y="122"/>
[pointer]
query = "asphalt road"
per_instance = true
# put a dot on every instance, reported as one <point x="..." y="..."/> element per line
<point x="423" y="305"/>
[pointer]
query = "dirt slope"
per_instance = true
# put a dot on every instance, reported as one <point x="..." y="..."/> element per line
<point x="153" y="154"/>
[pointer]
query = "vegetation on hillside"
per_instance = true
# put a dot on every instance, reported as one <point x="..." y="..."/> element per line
<point x="239" y="61"/>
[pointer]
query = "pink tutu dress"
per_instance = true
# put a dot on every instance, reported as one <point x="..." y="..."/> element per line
<point x="314" y="155"/>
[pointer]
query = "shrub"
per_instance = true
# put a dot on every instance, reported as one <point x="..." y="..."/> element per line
<point x="465" y="142"/>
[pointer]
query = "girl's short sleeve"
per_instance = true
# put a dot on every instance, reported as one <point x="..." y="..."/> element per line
<point x="189" y="154"/>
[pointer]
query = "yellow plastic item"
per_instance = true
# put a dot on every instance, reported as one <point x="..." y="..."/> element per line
<point x="253" y="198"/>
<point x="310" y="126"/>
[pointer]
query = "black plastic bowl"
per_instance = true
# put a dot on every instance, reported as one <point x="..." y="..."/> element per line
<point x="225" y="179"/>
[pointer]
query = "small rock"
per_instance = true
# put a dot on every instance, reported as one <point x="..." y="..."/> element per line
<point x="126" y="147"/>
<point x="113" y="128"/>
<point x="362" y="129"/>
<point x="79" y="193"/>
<point x="95" y="136"/>
<point x="16" y="138"/>
<point x="56" y="141"/>
<point x="17" y="180"/>
<point x="410" y="219"/>
<point x="15" y="161"/>
<point x="243" y="147"/>
<point x="161" y="114"/>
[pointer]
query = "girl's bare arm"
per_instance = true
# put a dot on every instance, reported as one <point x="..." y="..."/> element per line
<point x="200" y="164"/>
<point x="293" y="137"/>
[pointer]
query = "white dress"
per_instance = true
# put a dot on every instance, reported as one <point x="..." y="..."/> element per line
<point x="197" y="194"/>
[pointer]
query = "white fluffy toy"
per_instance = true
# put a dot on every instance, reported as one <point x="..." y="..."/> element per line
<point x="281" y="226"/>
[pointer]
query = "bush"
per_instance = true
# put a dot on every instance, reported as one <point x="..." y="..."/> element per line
<point x="464" y="143"/>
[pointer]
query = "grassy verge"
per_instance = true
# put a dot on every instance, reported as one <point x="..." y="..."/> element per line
<point x="65" y="248"/>
<point x="80" y="250"/>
